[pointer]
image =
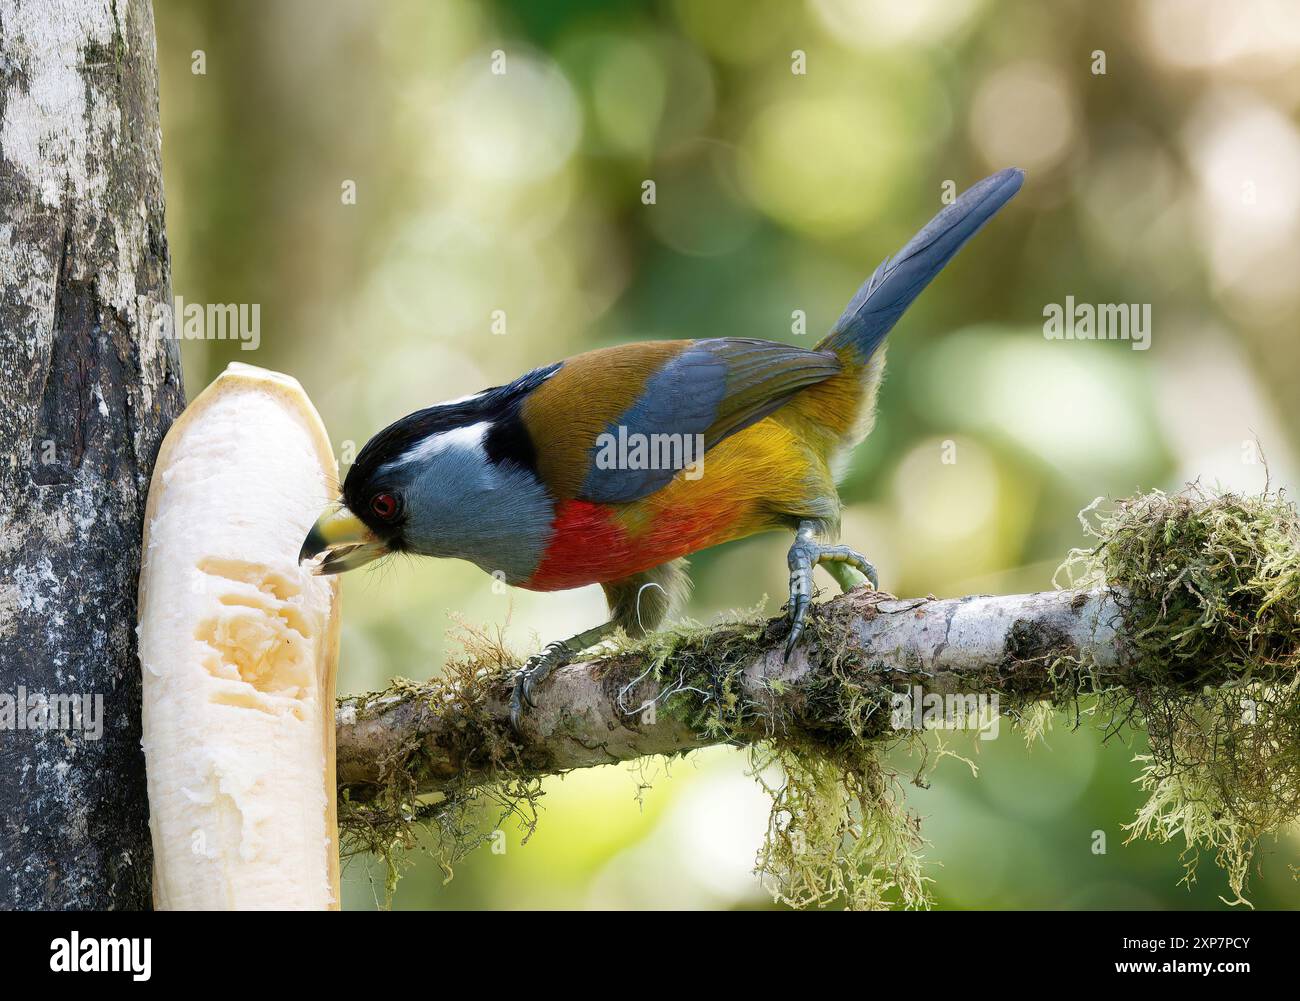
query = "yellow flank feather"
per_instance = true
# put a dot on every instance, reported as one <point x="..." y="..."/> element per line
<point x="762" y="478"/>
<point x="837" y="414"/>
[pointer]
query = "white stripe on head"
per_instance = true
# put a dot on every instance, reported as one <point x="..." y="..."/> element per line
<point x="469" y="437"/>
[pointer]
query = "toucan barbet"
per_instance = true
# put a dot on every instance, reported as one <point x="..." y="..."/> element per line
<point x="614" y="465"/>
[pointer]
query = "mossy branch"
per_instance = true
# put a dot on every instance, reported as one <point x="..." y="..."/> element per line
<point x="670" y="693"/>
<point x="1183" y="622"/>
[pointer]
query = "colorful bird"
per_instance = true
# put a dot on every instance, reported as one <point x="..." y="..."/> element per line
<point x="613" y="466"/>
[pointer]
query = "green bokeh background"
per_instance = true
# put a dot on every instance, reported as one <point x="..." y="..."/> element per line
<point x="1172" y="178"/>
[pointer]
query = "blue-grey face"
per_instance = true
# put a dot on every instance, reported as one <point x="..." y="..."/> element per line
<point x="455" y="480"/>
<point x="454" y="501"/>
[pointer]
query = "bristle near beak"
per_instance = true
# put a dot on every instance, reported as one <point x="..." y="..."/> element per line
<point x="344" y="539"/>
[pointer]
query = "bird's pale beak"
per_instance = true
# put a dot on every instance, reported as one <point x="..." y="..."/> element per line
<point x="345" y="540"/>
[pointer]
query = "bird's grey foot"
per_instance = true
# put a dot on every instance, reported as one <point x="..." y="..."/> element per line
<point x="843" y="563"/>
<point x="535" y="670"/>
<point x="539" y="666"/>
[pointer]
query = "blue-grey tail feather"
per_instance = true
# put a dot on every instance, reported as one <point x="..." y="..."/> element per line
<point x="900" y="279"/>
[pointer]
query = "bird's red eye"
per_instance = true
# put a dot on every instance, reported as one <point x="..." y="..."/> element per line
<point x="384" y="505"/>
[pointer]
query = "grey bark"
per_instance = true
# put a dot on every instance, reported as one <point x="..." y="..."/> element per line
<point x="86" y="392"/>
<point x="595" y="712"/>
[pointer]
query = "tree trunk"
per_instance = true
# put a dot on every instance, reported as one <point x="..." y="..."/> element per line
<point x="86" y="393"/>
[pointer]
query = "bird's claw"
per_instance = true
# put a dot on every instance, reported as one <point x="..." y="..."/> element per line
<point x="805" y="554"/>
<point x="533" y="673"/>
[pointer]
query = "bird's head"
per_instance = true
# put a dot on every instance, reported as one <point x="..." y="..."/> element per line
<point x="368" y="520"/>
<point x="398" y="492"/>
<point x="452" y="480"/>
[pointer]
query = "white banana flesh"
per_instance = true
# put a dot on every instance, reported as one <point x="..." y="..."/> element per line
<point x="238" y="645"/>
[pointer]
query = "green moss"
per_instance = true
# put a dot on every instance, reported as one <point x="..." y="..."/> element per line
<point x="394" y="819"/>
<point x="1209" y="585"/>
<point x="839" y="832"/>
